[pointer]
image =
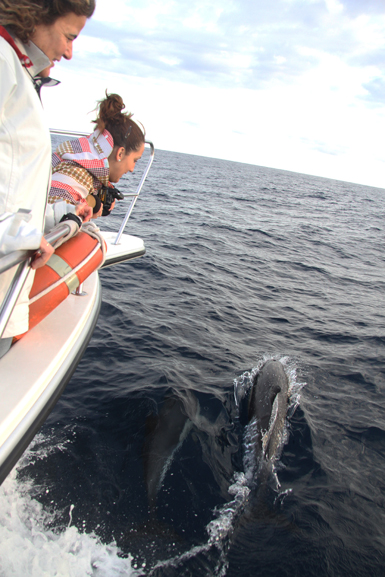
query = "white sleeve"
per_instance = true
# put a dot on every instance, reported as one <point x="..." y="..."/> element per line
<point x="17" y="234"/>
<point x="55" y="211"/>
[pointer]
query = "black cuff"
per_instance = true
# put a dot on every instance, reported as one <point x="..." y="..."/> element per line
<point x="72" y="216"/>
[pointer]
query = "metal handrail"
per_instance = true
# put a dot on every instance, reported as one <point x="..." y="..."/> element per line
<point x="18" y="256"/>
<point x="24" y="259"/>
<point x="135" y="196"/>
<point x="68" y="132"/>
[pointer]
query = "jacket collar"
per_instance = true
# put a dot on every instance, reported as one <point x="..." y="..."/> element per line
<point x="39" y="60"/>
<point x="31" y="57"/>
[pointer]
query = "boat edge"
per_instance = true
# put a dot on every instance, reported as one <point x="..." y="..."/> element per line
<point x="63" y="376"/>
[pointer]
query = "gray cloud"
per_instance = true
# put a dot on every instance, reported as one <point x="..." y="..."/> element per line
<point x="267" y="38"/>
<point x="325" y="148"/>
<point x="376" y="92"/>
<point x="356" y="8"/>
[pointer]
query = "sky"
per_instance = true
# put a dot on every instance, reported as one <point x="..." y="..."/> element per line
<point x="296" y="85"/>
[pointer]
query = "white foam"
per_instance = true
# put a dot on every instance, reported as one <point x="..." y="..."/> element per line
<point x="29" y="549"/>
<point x="219" y="531"/>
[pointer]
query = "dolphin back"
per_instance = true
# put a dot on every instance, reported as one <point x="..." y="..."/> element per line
<point x="268" y="405"/>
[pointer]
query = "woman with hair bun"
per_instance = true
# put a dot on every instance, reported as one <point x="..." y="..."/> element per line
<point x="34" y="34"/>
<point x="82" y="167"/>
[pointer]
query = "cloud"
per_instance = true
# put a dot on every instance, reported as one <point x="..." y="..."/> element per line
<point x="356" y="8"/>
<point x="89" y="45"/>
<point x="294" y="84"/>
<point x="375" y="92"/>
<point x="324" y="147"/>
<point x="334" y="6"/>
<point x="235" y="43"/>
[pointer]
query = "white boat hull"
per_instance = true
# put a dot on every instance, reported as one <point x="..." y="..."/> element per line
<point x="37" y="368"/>
<point x="35" y="371"/>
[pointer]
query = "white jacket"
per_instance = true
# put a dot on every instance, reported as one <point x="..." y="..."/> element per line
<point x="25" y="161"/>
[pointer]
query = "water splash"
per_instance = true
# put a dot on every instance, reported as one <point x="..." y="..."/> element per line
<point x="211" y="556"/>
<point x="29" y="548"/>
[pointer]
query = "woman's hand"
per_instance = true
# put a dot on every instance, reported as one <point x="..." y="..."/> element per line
<point x="42" y="256"/>
<point x="112" y="206"/>
<point x="84" y="211"/>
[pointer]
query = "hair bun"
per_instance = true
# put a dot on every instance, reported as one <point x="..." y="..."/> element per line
<point x="124" y="131"/>
<point x="111" y="108"/>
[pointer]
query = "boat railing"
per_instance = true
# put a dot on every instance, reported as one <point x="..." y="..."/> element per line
<point x="136" y="194"/>
<point x="24" y="258"/>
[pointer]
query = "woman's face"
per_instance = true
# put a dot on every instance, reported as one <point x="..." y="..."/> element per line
<point x="56" y="39"/>
<point x="121" y="163"/>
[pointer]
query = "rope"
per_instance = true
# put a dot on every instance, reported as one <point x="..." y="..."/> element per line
<point x="65" y="277"/>
<point x="94" y="232"/>
<point x="74" y="229"/>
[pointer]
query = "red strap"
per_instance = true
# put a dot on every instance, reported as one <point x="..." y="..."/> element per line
<point x="25" y="61"/>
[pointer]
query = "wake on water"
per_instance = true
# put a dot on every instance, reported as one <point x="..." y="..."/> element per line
<point x="30" y="548"/>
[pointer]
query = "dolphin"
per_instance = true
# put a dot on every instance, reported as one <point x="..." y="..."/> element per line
<point x="267" y="407"/>
<point x="180" y="414"/>
<point x="263" y="436"/>
<point x="164" y="435"/>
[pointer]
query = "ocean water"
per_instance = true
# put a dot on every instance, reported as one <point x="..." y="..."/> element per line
<point x="243" y="264"/>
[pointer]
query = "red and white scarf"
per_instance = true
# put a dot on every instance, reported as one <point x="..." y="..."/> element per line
<point x="80" y="167"/>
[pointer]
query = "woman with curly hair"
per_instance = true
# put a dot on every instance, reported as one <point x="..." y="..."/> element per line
<point x="34" y="34"/>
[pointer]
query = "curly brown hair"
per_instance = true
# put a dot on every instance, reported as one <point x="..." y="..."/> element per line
<point x="120" y="125"/>
<point x="21" y="16"/>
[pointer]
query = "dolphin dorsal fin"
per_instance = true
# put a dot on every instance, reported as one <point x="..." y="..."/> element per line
<point x="273" y="417"/>
<point x="273" y="393"/>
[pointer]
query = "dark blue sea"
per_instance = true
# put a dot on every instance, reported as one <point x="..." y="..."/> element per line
<point x="243" y="264"/>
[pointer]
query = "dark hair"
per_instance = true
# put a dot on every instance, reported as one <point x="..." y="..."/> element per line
<point x="21" y="16"/>
<point x="120" y="125"/>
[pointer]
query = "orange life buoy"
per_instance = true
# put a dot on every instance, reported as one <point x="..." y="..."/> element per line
<point x="67" y="257"/>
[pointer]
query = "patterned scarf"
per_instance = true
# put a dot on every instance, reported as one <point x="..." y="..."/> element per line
<point x="80" y="167"/>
